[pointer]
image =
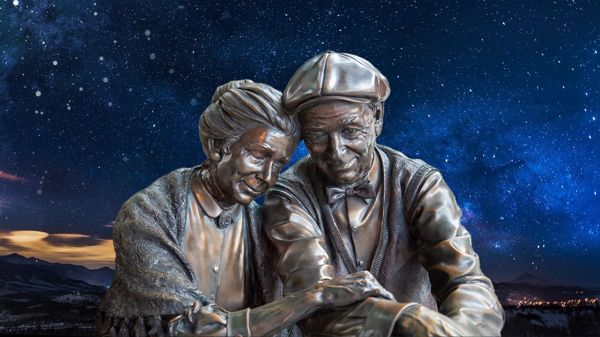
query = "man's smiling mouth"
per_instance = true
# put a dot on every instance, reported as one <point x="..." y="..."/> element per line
<point x="342" y="166"/>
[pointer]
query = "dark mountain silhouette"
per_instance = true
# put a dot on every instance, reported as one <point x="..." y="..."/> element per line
<point x="531" y="279"/>
<point x="16" y="279"/>
<point x="39" y="297"/>
<point x="100" y="277"/>
<point x="531" y="287"/>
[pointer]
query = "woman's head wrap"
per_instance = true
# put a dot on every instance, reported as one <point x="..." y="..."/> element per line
<point x="239" y="106"/>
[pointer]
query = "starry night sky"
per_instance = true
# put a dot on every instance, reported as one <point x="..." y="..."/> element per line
<point x="98" y="99"/>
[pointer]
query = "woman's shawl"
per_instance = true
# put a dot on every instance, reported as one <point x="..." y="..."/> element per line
<point x="153" y="277"/>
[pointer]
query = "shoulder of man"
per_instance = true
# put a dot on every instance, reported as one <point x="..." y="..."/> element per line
<point x="403" y="162"/>
<point x="295" y="185"/>
<point x="408" y="174"/>
<point x="297" y="173"/>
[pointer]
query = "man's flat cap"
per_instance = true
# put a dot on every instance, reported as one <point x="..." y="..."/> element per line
<point x="334" y="76"/>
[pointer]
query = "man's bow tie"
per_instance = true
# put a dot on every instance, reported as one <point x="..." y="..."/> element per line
<point x="364" y="190"/>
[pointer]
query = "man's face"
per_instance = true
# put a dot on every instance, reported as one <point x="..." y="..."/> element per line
<point x="253" y="163"/>
<point x="340" y="137"/>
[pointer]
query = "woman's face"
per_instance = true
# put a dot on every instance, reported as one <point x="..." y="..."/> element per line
<point x="253" y="163"/>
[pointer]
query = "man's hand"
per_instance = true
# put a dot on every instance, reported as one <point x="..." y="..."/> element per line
<point x="341" y="292"/>
<point x="418" y="320"/>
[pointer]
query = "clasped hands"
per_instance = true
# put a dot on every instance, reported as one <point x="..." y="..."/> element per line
<point x="343" y="291"/>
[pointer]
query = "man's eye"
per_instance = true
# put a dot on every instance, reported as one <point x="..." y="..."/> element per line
<point x="351" y="132"/>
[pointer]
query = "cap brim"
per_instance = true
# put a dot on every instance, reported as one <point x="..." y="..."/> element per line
<point x="317" y="100"/>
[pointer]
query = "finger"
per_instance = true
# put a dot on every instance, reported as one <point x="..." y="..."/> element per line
<point x="379" y="291"/>
<point x="358" y="275"/>
<point x="385" y="294"/>
<point x="364" y="282"/>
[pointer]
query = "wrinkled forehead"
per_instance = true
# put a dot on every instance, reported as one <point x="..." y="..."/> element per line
<point x="336" y="110"/>
<point x="268" y="139"/>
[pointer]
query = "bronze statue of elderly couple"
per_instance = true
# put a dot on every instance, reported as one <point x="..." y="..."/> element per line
<point x="355" y="239"/>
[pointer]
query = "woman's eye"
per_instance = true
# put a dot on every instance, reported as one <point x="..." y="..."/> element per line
<point x="258" y="155"/>
<point x="255" y="154"/>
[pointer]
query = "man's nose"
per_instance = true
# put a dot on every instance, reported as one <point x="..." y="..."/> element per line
<point x="336" y="147"/>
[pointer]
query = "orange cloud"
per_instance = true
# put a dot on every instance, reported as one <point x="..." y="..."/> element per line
<point x="63" y="248"/>
<point x="8" y="176"/>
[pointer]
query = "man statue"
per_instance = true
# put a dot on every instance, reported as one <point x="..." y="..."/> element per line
<point x="354" y="205"/>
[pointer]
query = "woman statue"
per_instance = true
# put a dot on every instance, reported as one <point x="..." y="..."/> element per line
<point x="190" y="253"/>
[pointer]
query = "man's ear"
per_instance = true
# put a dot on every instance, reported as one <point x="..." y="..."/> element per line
<point x="378" y="115"/>
<point x="214" y="149"/>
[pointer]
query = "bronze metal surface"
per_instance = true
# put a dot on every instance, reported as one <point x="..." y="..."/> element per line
<point x="191" y="257"/>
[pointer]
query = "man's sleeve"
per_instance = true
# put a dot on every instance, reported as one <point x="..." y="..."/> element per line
<point x="303" y="259"/>
<point x="468" y="305"/>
